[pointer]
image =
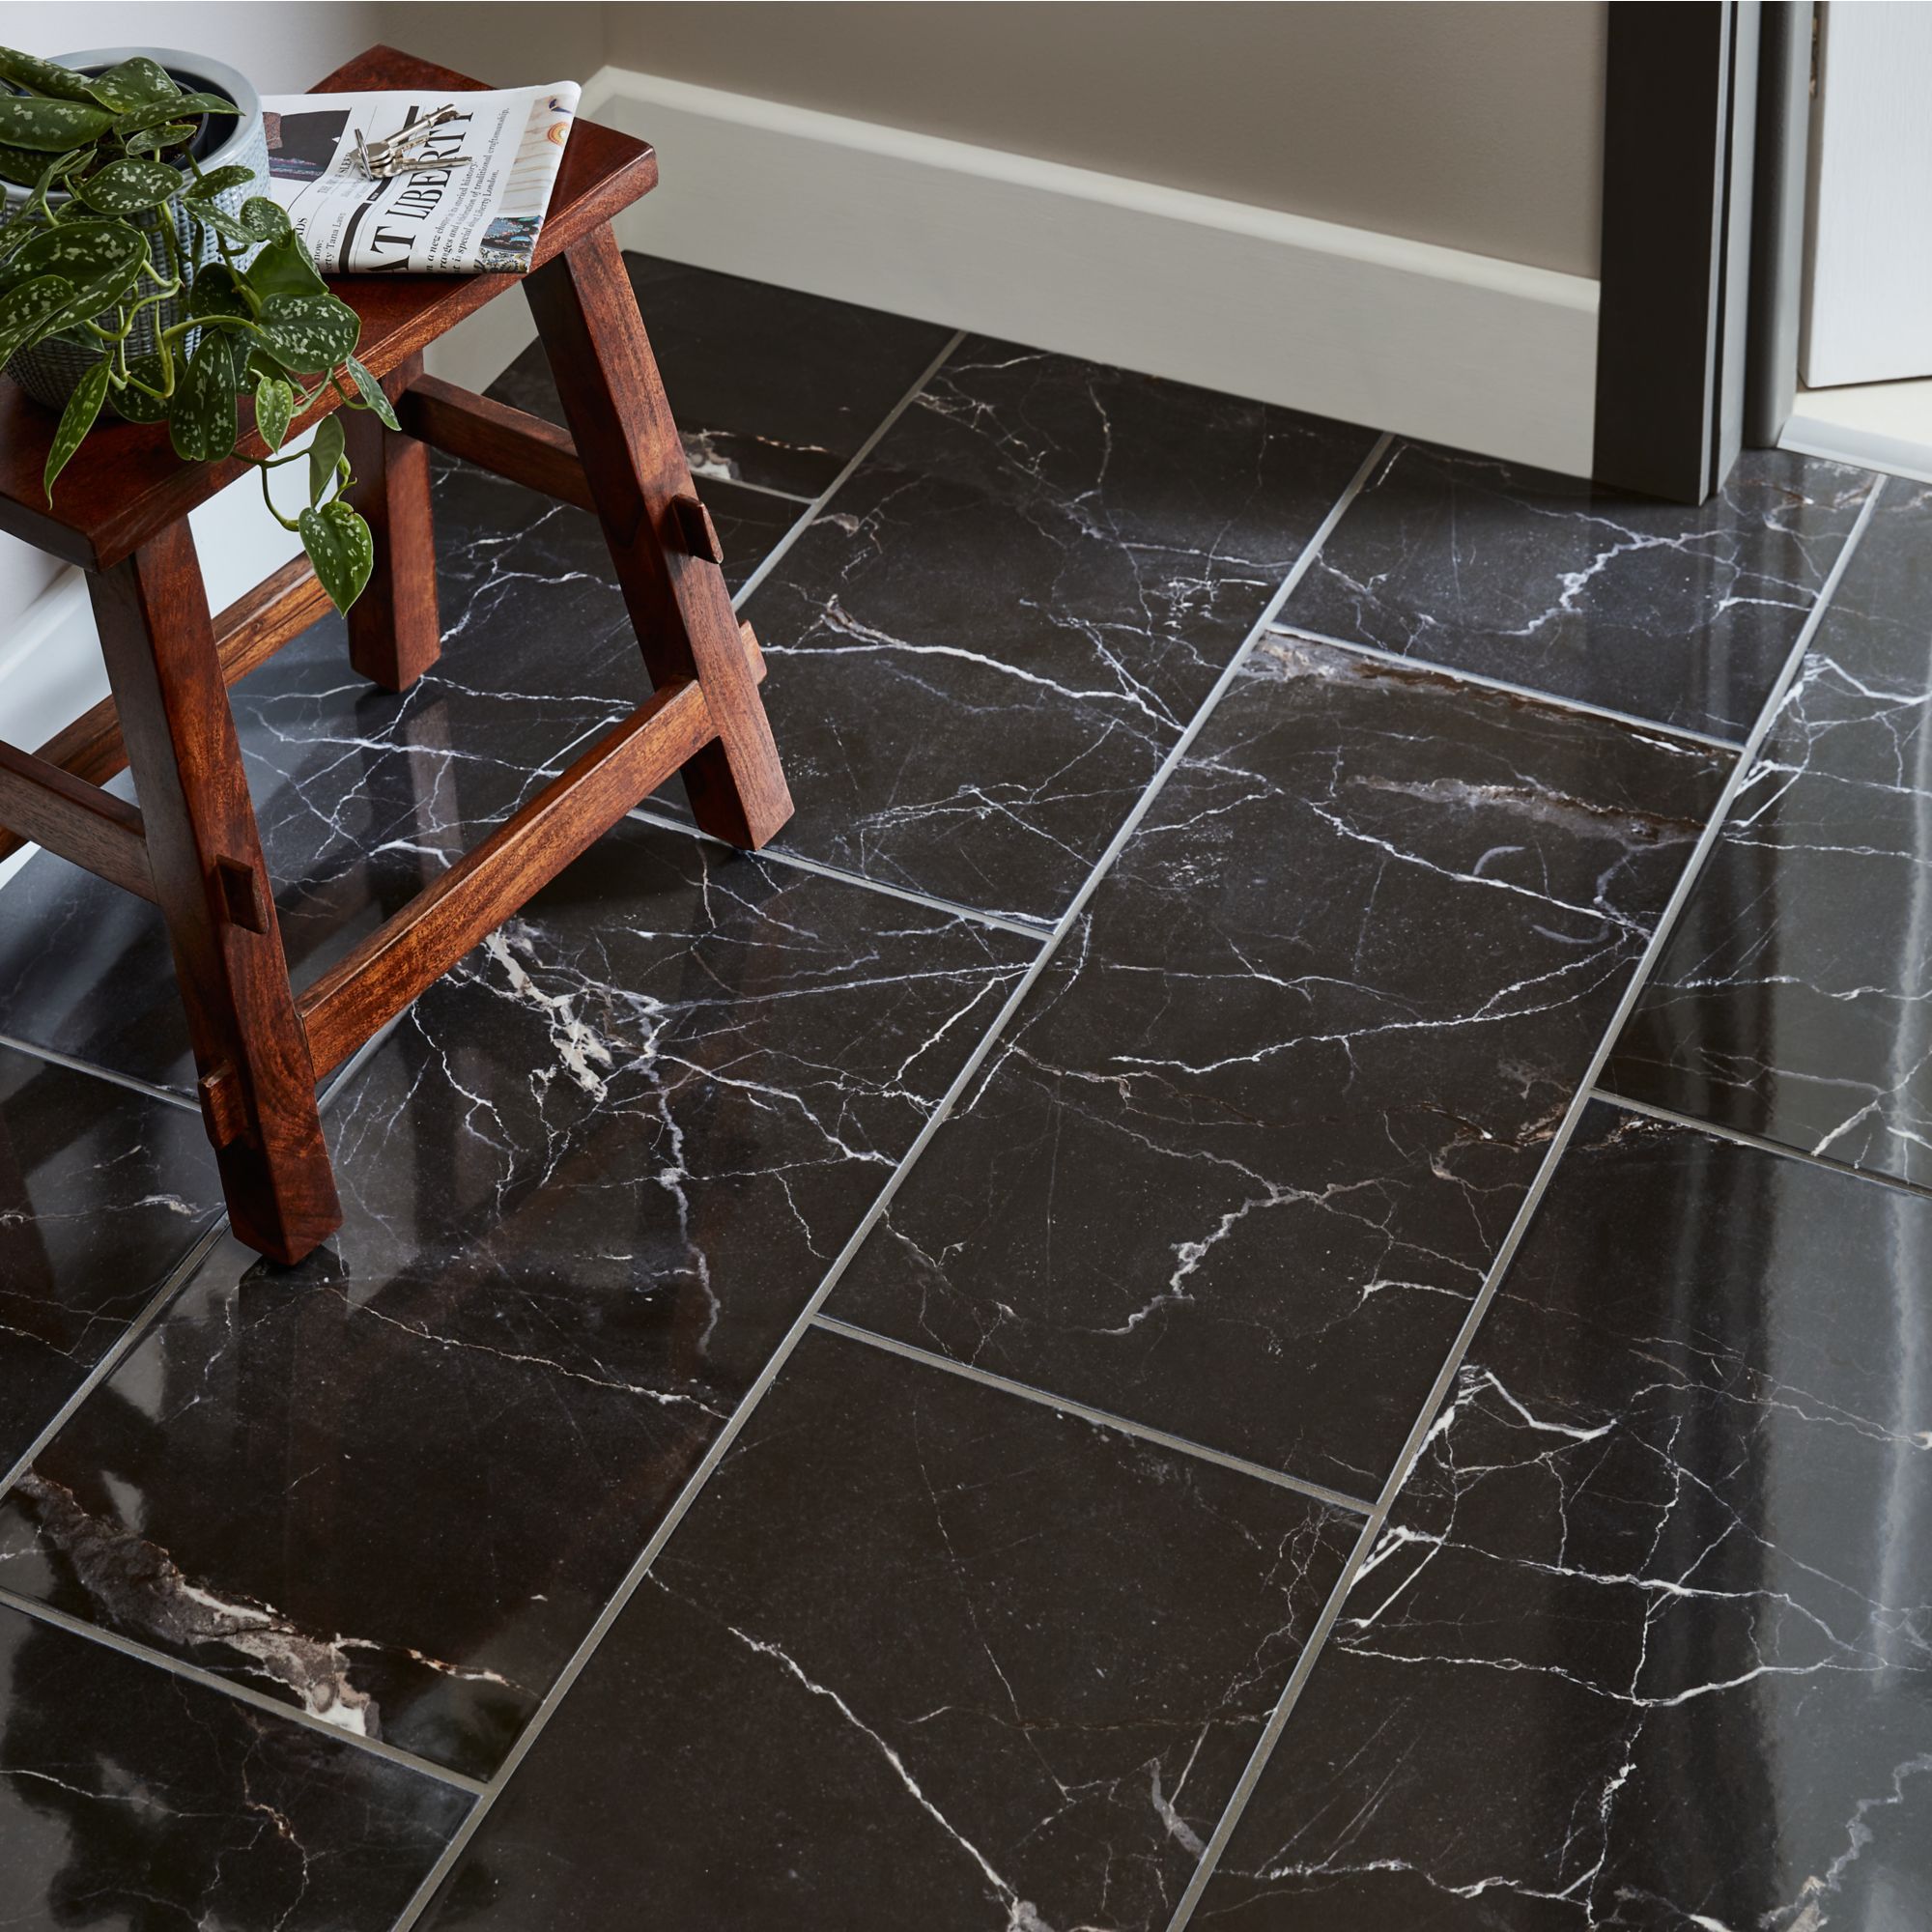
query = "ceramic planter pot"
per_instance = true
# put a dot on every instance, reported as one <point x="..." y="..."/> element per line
<point x="49" y="371"/>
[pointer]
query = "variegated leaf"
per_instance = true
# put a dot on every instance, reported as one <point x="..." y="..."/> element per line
<point x="76" y="420"/>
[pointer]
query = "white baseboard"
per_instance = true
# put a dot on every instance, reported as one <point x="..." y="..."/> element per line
<point x="1875" y="425"/>
<point x="1463" y="348"/>
<point x="1433" y="342"/>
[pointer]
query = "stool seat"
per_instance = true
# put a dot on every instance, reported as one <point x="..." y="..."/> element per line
<point x="126" y="483"/>
<point x="192" y="846"/>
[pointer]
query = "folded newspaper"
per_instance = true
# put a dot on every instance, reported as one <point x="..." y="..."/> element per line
<point x="472" y="202"/>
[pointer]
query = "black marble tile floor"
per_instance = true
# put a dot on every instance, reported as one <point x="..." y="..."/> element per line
<point x="1023" y="1722"/>
<point x="1239" y="1165"/>
<point x="1680" y="615"/>
<point x="132" y="1797"/>
<point x="102" y="1195"/>
<point x="1795" y="999"/>
<point x="1082" y="1344"/>
<point x="589" y="1183"/>
<point x="1647" y="1641"/>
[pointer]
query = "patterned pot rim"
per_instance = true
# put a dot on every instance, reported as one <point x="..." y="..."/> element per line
<point x="216" y="76"/>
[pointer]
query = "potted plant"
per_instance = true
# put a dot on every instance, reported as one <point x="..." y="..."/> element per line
<point x="140" y="274"/>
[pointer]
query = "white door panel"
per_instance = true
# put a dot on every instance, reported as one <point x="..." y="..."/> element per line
<point x="1868" y="255"/>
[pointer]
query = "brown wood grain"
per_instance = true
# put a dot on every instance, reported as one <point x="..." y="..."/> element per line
<point x="124" y="482"/>
<point x="383" y="974"/>
<point x="87" y="826"/>
<point x="507" y="443"/>
<point x="622" y="426"/>
<point x="157" y="639"/>
<point x="394" y="634"/>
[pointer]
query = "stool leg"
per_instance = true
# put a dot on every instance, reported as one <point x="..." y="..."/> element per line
<point x="394" y="634"/>
<point x="257" y="1082"/>
<point x="586" y="314"/>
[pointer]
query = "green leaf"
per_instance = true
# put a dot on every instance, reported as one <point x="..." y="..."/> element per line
<point x="134" y="406"/>
<point x="83" y="251"/>
<point x="341" y="548"/>
<point x="285" y="268"/>
<point x="31" y="310"/>
<point x="372" y="392"/>
<point x="274" y="406"/>
<point x="127" y="188"/>
<point x="50" y="125"/>
<point x="217" y="291"/>
<point x="103" y="260"/>
<point x="218" y="180"/>
<point x="169" y="134"/>
<point x="259" y="220"/>
<point x="18" y="232"/>
<point x="76" y="420"/>
<point x="156" y="113"/>
<point x="307" y="333"/>
<point x="201" y="420"/>
<point x="135" y="83"/>
<point x="22" y="166"/>
<point x="43" y="76"/>
<point x="325" y="457"/>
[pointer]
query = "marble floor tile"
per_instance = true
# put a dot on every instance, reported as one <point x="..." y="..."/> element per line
<point x="771" y="388"/>
<point x="1794" y="999"/>
<point x="985" y="648"/>
<point x="589" y="1181"/>
<point x="132" y="1798"/>
<point x="363" y="797"/>
<point x="1647" y="1642"/>
<point x="102" y="1193"/>
<point x="923" y="1654"/>
<point x="1681" y="616"/>
<point x="1239" y="1165"/>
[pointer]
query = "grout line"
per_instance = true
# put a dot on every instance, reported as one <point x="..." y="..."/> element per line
<point x="1101" y="1418"/>
<point x="227" y="1687"/>
<point x="669" y="822"/>
<point x="135" y="1085"/>
<point x="721" y="1442"/>
<point x="825" y="496"/>
<point x="745" y="483"/>
<point x="1715" y="1130"/>
<point x="1446" y="1376"/>
<point x="1554" y="699"/>
<point x="133" y="1082"/>
<point x="176" y="1277"/>
<point x="363" y="1054"/>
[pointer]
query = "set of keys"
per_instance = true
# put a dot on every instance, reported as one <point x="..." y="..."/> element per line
<point x="402" y="154"/>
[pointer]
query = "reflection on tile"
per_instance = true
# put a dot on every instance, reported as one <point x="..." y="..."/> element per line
<point x="1795" y="997"/>
<point x="771" y="387"/>
<point x="132" y="1798"/>
<point x="363" y="797"/>
<point x="589" y="1182"/>
<point x="1648" y="1641"/>
<point x="1240" y="1165"/>
<point x="922" y="1653"/>
<point x="984" y="649"/>
<point x="1684" y="616"/>
<point x="103" y="1191"/>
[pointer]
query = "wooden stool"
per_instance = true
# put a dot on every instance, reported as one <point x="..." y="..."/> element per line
<point x="192" y="848"/>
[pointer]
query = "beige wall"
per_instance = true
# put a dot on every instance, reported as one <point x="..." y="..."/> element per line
<point x="506" y="42"/>
<point x="1476" y="126"/>
<point x="1471" y="124"/>
<point x="281" y="48"/>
